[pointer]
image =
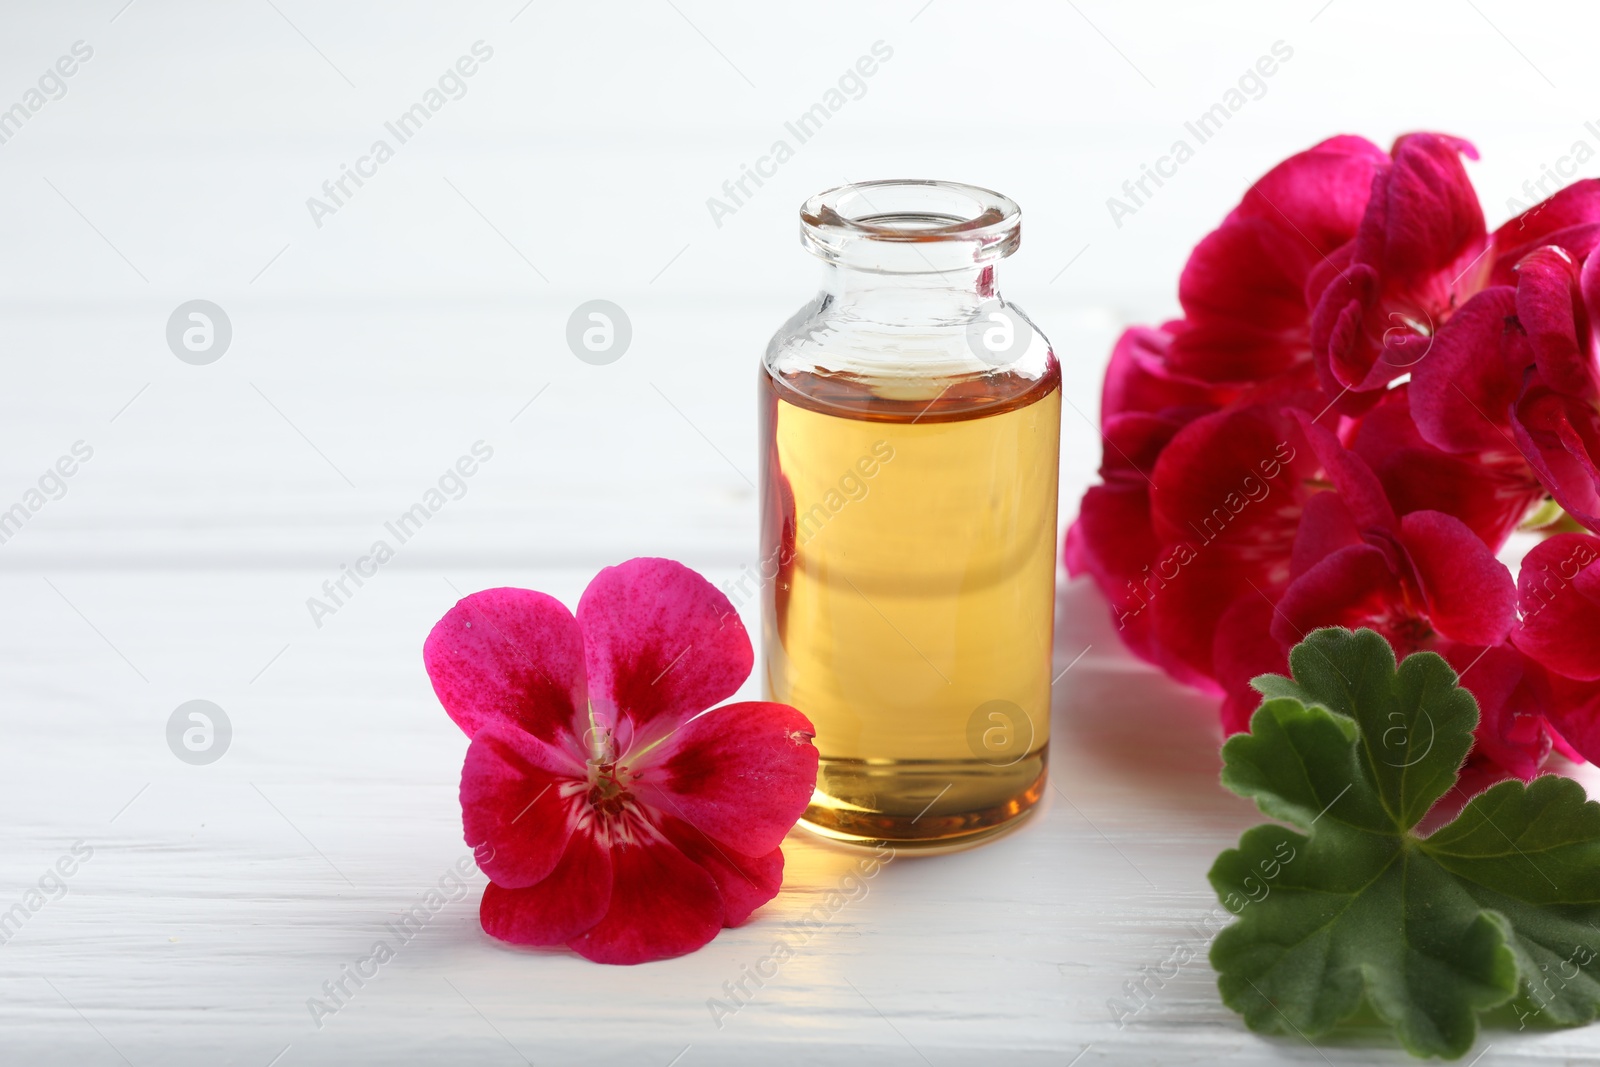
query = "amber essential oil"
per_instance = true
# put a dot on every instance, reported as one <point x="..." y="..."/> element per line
<point x="911" y="541"/>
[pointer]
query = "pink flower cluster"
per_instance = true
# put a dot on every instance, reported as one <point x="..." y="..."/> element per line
<point x="1367" y="394"/>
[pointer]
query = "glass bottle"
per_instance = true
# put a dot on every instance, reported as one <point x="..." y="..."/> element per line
<point x="910" y="429"/>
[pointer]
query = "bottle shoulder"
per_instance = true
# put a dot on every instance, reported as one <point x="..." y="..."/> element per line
<point x="832" y="356"/>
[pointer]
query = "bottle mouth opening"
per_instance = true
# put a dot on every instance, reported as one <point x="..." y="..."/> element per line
<point x="910" y="226"/>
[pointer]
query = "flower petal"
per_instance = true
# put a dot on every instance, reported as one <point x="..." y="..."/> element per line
<point x="663" y="904"/>
<point x="1416" y="256"/>
<point x="1569" y="220"/>
<point x="1243" y="288"/>
<point x="661" y="644"/>
<point x="510" y="656"/>
<point x="1560" y="437"/>
<point x="1245" y="648"/>
<point x="741" y="774"/>
<point x="1230" y="488"/>
<point x="514" y="810"/>
<point x="1491" y="490"/>
<point x="1462" y="393"/>
<point x="1359" y="488"/>
<point x="575" y="896"/>
<point x="1430" y="216"/>
<point x="1550" y="309"/>
<point x="1575" y="714"/>
<point x="1140" y="379"/>
<point x="1512" y="699"/>
<point x="1559" y="590"/>
<point x="1112" y="539"/>
<point x="1325" y="527"/>
<point x="745" y="882"/>
<point x="1470" y="595"/>
<point x="1353" y="587"/>
<point x="1112" y="542"/>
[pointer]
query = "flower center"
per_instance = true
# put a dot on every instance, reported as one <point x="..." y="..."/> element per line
<point x="607" y="793"/>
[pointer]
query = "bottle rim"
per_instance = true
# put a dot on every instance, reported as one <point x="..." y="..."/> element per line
<point x="910" y="226"/>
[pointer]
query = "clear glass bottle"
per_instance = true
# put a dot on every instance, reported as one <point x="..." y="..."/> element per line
<point x="910" y="428"/>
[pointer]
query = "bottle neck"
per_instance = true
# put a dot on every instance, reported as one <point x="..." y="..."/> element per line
<point x="932" y="298"/>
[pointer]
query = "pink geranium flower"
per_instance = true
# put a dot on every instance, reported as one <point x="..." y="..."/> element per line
<point x="1244" y="289"/>
<point x="1425" y="581"/>
<point x="1419" y="251"/>
<point x="608" y="813"/>
<point x="1490" y="489"/>
<point x="1557" y="415"/>
<point x="1418" y="580"/>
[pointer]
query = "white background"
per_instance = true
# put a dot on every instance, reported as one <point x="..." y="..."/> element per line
<point x="369" y="353"/>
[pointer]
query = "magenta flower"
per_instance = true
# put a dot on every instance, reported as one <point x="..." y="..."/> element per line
<point x="1269" y="468"/>
<point x="1491" y="490"/>
<point x="1418" y="252"/>
<point x="1422" y="581"/>
<point x="1513" y="381"/>
<point x="1569" y="220"/>
<point x="608" y="813"/>
<point x="1244" y="289"/>
<point x="1560" y="592"/>
<point x="1425" y="581"/>
<point x="1559" y="595"/>
<point x="1557" y="416"/>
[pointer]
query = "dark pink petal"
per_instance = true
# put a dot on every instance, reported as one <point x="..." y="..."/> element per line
<point x="1430" y="216"/>
<point x="1333" y="267"/>
<point x="1249" y="315"/>
<point x="1344" y="349"/>
<point x="1558" y="743"/>
<point x="1238" y="357"/>
<point x="1491" y="490"/>
<point x="745" y="882"/>
<point x="514" y="810"/>
<point x="1319" y="194"/>
<point x="1185" y="610"/>
<point x="1569" y="220"/>
<point x="1559" y="593"/>
<point x="1244" y="649"/>
<point x="1469" y="594"/>
<point x="1512" y="701"/>
<point x="1218" y="467"/>
<point x="1353" y="587"/>
<point x="1551" y="312"/>
<point x="1113" y="542"/>
<point x="1462" y="393"/>
<point x="1243" y="289"/>
<point x="1560" y="437"/>
<point x="1114" y="538"/>
<point x="662" y="904"/>
<point x="1139" y="378"/>
<point x="661" y="644"/>
<point x="574" y="897"/>
<point x="1135" y="440"/>
<point x="1575" y="715"/>
<point x="1325" y="528"/>
<point x="1417" y="255"/>
<point x="1074" y="555"/>
<point x="1113" y="545"/>
<point x="511" y="656"/>
<point x="742" y="774"/>
<point x="1359" y="488"/>
<point x="1589" y="291"/>
<point x="1229" y="488"/>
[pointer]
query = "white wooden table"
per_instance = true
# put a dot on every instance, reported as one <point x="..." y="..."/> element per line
<point x="428" y="314"/>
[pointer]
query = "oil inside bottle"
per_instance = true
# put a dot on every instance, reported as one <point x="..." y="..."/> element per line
<point x="911" y="542"/>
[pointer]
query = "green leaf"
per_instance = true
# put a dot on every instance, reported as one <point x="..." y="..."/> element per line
<point x="1500" y="907"/>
